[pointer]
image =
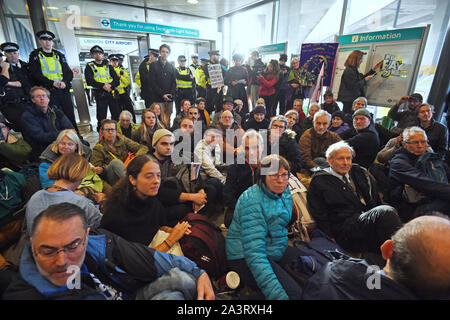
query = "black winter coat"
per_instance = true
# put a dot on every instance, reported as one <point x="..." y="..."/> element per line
<point x="162" y="79"/>
<point x="288" y="148"/>
<point x="366" y="144"/>
<point x="402" y="170"/>
<point x="334" y="206"/>
<point x="239" y="178"/>
<point x="353" y="84"/>
<point x="346" y="279"/>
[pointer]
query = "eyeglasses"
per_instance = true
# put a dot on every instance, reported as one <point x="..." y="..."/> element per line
<point x="283" y="176"/>
<point x="276" y="126"/>
<point x="417" y="142"/>
<point x="227" y="117"/>
<point x="425" y="111"/>
<point x="109" y="129"/>
<point x="39" y="96"/>
<point x="71" y="248"/>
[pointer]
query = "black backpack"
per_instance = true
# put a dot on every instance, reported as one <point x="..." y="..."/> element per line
<point x="205" y="245"/>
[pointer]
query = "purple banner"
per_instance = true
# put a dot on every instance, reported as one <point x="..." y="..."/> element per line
<point x="313" y="55"/>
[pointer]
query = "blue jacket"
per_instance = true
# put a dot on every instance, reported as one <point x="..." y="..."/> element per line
<point x="41" y="129"/>
<point x="139" y="266"/>
<point x="258" y="232"/>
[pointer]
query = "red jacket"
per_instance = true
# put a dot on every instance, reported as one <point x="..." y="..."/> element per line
<point x="267" y="87"/>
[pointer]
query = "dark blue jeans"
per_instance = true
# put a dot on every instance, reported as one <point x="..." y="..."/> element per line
<point x="291" y="287"/>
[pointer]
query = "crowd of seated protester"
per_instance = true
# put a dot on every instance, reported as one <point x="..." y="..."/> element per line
<point x="377" y="193"/>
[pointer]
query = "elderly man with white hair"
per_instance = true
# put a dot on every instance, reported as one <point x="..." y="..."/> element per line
<point x="414" y="191"/>
<point x="316" y="140"/>
<point x="344" y="201"/>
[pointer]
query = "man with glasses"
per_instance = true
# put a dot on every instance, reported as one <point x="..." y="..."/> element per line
<point x="227" y="105"/>
<point x="111" y="152"/>
<point x="282" y="142"/>
<point x="345" y="204"/>
<point x="49" y="69"/>
<point x="63" y="261"/>
<point x="42" y="122"/>
<point x="413" y="190"/>
<point x="17" y="84"/>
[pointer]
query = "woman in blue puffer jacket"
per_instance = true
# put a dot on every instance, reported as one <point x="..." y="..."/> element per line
<point x="257" y="240"/>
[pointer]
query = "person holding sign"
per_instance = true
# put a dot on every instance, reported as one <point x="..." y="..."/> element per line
<point x="353" y="83"/>
<point x="214" y="94"/>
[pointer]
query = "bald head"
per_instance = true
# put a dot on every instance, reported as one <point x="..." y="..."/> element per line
<point x="419" y="258"/>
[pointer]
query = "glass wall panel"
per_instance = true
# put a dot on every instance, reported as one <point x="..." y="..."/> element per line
<point x="16" y="7"/>
<point x="21" y="33"/>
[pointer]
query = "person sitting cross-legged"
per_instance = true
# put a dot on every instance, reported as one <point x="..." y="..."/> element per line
<point x="112" y="150"/>
<point x="62" y="255"/>
<point x="413" y="191"/>
<point x="344" y="201"/>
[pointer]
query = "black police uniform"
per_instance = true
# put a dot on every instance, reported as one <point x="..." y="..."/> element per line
<point x="60" y="97"/>
<point x="13" y="100"/>
<point x="103" y="98"/>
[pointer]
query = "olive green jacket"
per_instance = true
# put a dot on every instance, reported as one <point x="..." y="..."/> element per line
<point x="102" y="154"/>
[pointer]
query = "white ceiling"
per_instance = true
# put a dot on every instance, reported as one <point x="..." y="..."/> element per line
<point x="204" y="8"/>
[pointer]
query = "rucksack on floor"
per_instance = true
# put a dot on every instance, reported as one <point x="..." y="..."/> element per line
<point x="205" y="245"/>
<point x="313" y="256"/>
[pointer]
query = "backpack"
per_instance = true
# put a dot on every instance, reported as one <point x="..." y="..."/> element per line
<point x="304" y="219"/>
<point x="313" y="255"/>
<point x="432" y="165"/>
<point x="205" y="245"/>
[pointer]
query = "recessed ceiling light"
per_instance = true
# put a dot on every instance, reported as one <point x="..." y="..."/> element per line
<point x="192" y="1"/>
<point x="52" y="8"/>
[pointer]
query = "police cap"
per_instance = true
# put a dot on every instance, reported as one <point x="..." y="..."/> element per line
<point x="9" y="46"/>
<point x="96" y="49"/>
<point x="45" y="35"/>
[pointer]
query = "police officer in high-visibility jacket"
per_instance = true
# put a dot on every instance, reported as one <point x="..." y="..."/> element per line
<point x="124" y="99"/>
<point x="200" y="77"/>
<point x="49" y="69"/>
<point x="185" y="84"/>
<point x="103" y="78"/>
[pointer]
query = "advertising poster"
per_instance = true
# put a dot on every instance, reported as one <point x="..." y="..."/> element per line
<point x="312" y="56"/>
<point x="393" y="78"/>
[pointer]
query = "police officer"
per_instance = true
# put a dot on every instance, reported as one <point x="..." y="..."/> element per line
<point x="194" y="65"/>
<point x="49" y="69"/>
<point x="124" y="100"/>
<point x="146" y="88"/>
<point x="185" y="84"/>
<point x="200" y="78"/>
<point x="214" y="96"/>
<point x="15" y="89"/>
<point x="103" y="78"/>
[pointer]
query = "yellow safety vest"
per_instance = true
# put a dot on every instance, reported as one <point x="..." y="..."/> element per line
<point x="181" y="83"/>
<point x="200" y="77"/>
<point x="101" y="74"/>
<point x="51" y="67"/>
<point x="124" y="80"/>
<point x="137" y="79"/>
